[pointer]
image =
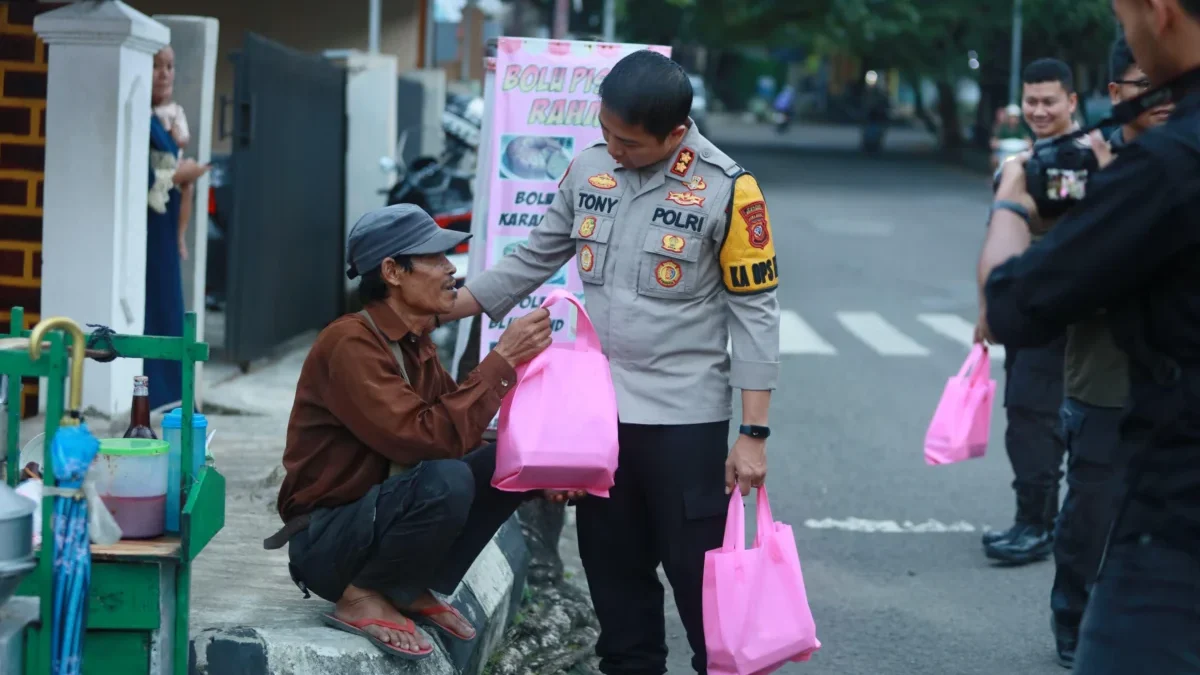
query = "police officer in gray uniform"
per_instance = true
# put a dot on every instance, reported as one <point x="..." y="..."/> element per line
<point x="673" y="242"/>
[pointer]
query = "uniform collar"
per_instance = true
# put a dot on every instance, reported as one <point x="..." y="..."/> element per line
<point x="1187" y="104"/>
<point x="395" y="329"/>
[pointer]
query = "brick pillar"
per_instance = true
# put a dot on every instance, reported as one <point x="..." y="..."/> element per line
<point x="22" y="160"/>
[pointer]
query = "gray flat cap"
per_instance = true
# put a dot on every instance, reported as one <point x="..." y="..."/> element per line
<point x="400" y="229"/>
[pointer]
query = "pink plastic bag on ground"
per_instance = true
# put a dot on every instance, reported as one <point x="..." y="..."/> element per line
<point x="963" y="419"/>
<point x="756" y="614"/>
<point x="558" y="428"/>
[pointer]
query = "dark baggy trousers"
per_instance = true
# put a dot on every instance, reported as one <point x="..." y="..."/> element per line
<point x="1035" y="449"/>
<point x="417" y="531"/>
<point x="1094" y="489"/>
<point x="1144" y="612"/>
<point x="668" y="506"/>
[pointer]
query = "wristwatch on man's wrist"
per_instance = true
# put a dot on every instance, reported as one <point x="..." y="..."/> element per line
<point x="754" y="431"/>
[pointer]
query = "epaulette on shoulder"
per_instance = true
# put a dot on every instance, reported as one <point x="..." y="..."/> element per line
<point x="713" y="155"/>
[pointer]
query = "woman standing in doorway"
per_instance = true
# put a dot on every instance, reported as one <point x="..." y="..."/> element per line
<point x="164" y="277"/>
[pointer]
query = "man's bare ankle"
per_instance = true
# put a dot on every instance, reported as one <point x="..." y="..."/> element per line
<point x="355" y="599"/>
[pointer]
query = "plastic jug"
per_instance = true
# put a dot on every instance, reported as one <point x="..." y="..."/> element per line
<point x="131" y="477"/>
<point x="172" y="426"/>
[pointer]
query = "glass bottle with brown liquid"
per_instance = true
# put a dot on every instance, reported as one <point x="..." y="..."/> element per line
<point x="139" y="414"/>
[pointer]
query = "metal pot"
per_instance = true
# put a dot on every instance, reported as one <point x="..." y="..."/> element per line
<point x="16" y="540"/>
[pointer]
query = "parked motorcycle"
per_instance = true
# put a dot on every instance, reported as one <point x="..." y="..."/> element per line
<point x="782" y="120"/>
<point x="442" y="186"/>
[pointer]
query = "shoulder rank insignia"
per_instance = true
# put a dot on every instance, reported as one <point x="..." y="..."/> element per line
<point x="683" y="161"/>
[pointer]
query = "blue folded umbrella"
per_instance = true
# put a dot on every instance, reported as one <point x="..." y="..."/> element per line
<point x="72" y="449"/>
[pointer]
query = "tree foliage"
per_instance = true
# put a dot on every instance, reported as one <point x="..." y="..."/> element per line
<point x="724" y="23"/>
<point x="926" y="37"/>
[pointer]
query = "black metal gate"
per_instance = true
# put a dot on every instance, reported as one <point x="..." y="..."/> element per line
<point x="286" y="241"/>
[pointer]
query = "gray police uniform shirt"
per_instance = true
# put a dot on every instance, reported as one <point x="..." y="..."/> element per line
<point x="677" y="261"/>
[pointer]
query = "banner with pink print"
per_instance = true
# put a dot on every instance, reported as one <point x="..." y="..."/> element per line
<point x="545" y="108"/>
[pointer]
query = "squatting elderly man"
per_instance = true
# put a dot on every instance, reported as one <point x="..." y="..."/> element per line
<point x="386" y="498"/>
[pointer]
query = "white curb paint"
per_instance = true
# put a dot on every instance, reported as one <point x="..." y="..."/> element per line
<point x="888" y="526"/>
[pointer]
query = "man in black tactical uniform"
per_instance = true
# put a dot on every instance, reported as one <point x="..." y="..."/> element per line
<point x="1132" y="246"/>
<point x="1097" y="385"/>
<point x="1033" y="377"/>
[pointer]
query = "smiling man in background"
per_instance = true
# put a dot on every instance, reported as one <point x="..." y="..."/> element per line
<point x="1033" y="390"/>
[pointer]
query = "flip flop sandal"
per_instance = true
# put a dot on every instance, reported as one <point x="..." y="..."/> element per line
<point x="357" y="628"/>
<point x="424" y="617"/>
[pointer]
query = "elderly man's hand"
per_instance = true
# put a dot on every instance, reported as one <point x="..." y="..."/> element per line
<point x="525" y="337"/>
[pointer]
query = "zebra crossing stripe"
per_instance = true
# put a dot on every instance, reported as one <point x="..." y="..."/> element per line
<point x="958" y="329"/>
<point x="797" y="337"/>
<point x="880" y="335"/>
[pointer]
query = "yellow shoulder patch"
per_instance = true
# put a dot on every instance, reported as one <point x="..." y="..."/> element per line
<point x="748" y="252"/>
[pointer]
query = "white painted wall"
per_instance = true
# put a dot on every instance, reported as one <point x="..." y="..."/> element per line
<point x="194" y="40"/>
<point x="370" y="130"/>
<point x="97" y="140"/>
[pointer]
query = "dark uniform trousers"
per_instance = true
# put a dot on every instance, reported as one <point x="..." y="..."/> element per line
<point x="668" y="506"/>
<point x="417" y="531"/>
<point x="1094" y="489"/>
<point x="1033" y="395"/>
<point x="1144" y="613"/>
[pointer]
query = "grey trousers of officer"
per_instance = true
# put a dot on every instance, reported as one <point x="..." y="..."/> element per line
<point x="1094" y="490"/>
<point x="668" y="506"/>
<point x="417" y="531"/>
<point x="1144" y="612"/>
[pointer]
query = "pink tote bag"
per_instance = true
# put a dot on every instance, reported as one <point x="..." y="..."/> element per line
<point x="756" y="614"/>
<point x="963" y="420"/>
<point x="558" y="427"/>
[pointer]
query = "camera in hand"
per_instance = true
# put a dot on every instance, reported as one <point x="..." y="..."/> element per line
<point x="1056" y="175"/>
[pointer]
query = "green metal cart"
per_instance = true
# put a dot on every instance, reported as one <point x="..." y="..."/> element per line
<point x="138" y="602"/>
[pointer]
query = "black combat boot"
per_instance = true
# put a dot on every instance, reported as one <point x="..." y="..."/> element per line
<point x="1032" y="537"/>
<point x="1065" y="641"/>
<point x="1029" y="511"/>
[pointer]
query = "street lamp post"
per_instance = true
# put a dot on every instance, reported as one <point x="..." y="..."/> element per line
<point x="610" y="21"/>
<point x="1014" y="77"/>
<point x="562" y="16"/>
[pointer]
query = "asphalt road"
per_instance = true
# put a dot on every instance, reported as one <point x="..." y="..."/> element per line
<point x="877" y="259"/>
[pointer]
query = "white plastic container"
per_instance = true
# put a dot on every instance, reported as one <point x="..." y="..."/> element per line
<point x="131" y="477"/>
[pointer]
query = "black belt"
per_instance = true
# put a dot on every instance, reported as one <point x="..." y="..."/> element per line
<point x="285" y="533"/>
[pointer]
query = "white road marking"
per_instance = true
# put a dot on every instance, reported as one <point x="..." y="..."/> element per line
<point x="797" y="337"/>
<point x="958" y="329"/>
<point x="930" y="526"/>
<point x="880" y="335"/>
